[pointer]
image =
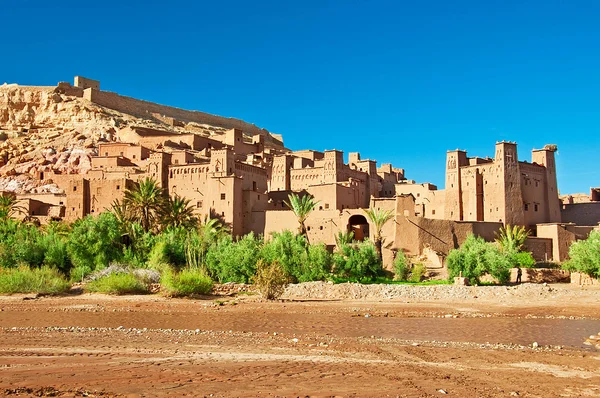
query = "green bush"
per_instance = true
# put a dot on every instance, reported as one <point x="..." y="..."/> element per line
<point x="169" y="249"/>
<point x="401" y="266"/>
<point x="357" y="261"/>
<point x="295" y="255"/>
<point x="229" y="261"/>
<point x="417" y="272"/>
<point x="185" y="283"/>
<point x="43" y="280"/>
<point x="523" y="260"/>
<point x="95" y="242"/>
<point x="270" y="279"/>
<point x="119" y="284"/>
<point x="476" y="257"/>
<point x="585" y="256"/>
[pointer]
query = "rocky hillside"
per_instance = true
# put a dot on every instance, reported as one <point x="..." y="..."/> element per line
<point x="43" y="129"/>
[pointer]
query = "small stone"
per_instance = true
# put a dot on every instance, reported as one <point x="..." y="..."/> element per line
<point x="535" y="344"/>
<point x="442" y="391"/>
<point x="367" y="316"/>
<point x="295" y="340"/>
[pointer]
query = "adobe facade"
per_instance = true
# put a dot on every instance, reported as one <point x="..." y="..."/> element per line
<point x="244" y="175"/>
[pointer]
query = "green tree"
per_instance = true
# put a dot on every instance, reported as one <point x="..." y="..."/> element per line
<point x="585" y="256"/>
<point x="177" y="212"/>
<point x="378" y="218"/>
<point x="144" y="203"/>
<point x="476" y="257"/>
<point x="302" y="206"/>
<point x="94" y="243"/>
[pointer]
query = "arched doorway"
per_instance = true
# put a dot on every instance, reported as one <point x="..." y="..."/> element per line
<point x="359" y="225"/>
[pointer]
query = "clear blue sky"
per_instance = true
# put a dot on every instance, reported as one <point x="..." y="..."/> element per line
<point x="399" y="81"/>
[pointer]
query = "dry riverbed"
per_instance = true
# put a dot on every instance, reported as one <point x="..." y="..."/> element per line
<point x="323" y="340"/>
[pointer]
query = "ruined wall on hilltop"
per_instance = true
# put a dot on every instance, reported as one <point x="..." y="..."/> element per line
<point x="146" y="109"/>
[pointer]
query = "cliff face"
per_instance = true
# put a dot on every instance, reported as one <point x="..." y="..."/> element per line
<point x="46" y="129"/>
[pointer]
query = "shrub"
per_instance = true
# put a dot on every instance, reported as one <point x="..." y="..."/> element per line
<point x="170" y="249"/>
<point x="357" y="261"/>
<point x="95" y="242"/>
<point x="270" y="279"/>
<point x="294" y="254"/>
<point x="229" y="261"/>
<point x="401" y="266"/>
<point x="475" y="257"/>
<point x="185" y="283"/>
<point x="417" y="272"/>
<point x="118" y="283"/>
<point x="43" y="280"/>
<point x="523" y="260"/>
<point x="585" y="256"/>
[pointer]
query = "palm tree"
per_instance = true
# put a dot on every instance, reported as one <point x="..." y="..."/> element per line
<point x="378" y="218"/>
<point x="9" y="206"/>
<point x="302" y="207"/>
<point x="512" y="238"/>
<point x="177" y="212"/>
<point x="344" y="238"/>
<point x="58" y="228"/>
<point x="144" y="202"/>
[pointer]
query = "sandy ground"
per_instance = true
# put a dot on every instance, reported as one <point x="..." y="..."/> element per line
<point x="145" y="346"/>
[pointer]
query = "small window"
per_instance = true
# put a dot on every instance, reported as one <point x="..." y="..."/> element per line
<point x="118" y="187"/>
<point x="222" y="214"/>
<point x="222" y="196"/>
<point x="526" y="206"/>
<point x="254" y="185"/>
<point x="418" y="194"/>
<point x="74" y="188"/>
<point x="321" y="228"/>
<point x="432" y="212"/>
<point x="199" y="204"/>
<point x="105" y="153"/>
<point x="308" y="228"/>
<point x="176" y="161"/>
<point x="60" y="203"/>
<point x="258" y="197"/>
<point x="536" y="207"/>
<point x="282" y="204"/>
<point x="120" y="153"/>
<point x="327" y="205"/>
<point x="134" y="156"/>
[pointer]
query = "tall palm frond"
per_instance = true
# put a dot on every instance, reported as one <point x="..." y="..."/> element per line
<point x="378" y="218"/>
<point x="512" y="238"/>
<point x="177" y="212"/>
<point x="9" y="206"/>
<point x="144" y="203"/>
<point x="302" y="206"/>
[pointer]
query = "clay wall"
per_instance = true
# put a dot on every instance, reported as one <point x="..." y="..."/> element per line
<point x="540" y="248"/>
<point x="103" y="192"/>
<point x="182" y="157"/>
<point x="322" y="226"/>
<point x="134" y="153"/>
<point x="581" y="213"/>
<point x="83" y="83"/>
<point x="253" y="178"/>
<point x="110" y="162"/>
<point x="303" y="178"/>
<point x="145" y="109"/>
<point x="561" y="239"/>
<point x="309" y="155"/>
<point x="280" y="173"/>
<point x="187" y="181"/>
<point x="534" y="190"/>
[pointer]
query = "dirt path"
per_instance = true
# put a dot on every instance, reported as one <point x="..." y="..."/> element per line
<point x="149" y="346"/>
